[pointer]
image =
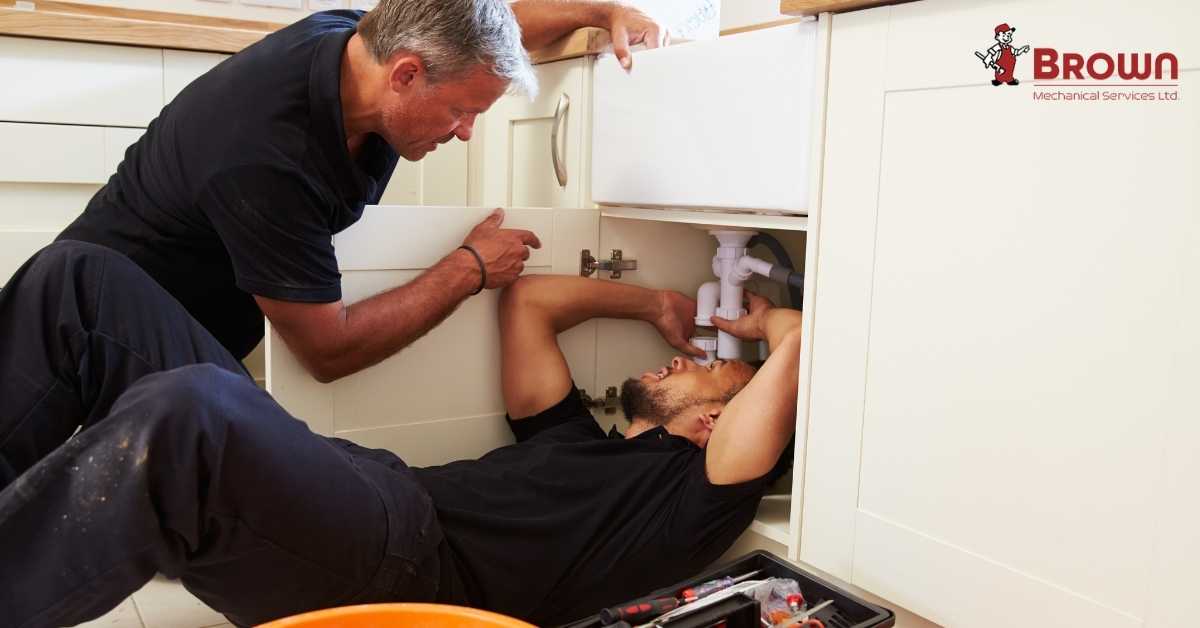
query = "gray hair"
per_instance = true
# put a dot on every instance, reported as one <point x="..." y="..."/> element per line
<point x="451" y="36"/>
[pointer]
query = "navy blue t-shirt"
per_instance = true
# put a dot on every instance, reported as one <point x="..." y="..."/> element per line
<point x="238" y="186"/>
<point x="570" y="520"/>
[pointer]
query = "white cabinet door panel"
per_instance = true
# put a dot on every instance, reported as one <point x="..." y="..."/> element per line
<point x="59" y="153"/>
<point x="723" y="123"/>
<point x="42" y="206"/>
<point x="77" y="83"/>
<point x="898" y="563"/>
<point x="181" y="67"/>
<point x="1016" y="350"/>
<point x="517" y="158"/>
<point x="52" y="153"/>
<point x="448" y="382"/>
<point x="999" y="323"/>
<point x="450" y="373"/>
<point x="843" y="297"/>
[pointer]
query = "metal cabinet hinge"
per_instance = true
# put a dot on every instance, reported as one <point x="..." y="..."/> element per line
<point x="589" y="264"/>
<point x="610" y="402"/>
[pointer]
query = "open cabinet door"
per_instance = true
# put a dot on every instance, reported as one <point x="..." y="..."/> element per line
<point x="439" y="399"/>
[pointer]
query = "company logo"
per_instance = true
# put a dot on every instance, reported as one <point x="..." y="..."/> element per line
<point x="1074" y="76"/>
<point x="1101" y="66"/>
<point x="1001" y="58"/>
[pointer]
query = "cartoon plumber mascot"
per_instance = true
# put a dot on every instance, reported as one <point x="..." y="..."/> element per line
<point x="1002" y="57"/>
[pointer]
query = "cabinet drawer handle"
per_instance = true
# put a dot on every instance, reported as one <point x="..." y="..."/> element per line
<point x="560" y="114"/>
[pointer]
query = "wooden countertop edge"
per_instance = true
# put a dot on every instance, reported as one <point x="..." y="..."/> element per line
<point x="813" y="7"/>
<point x="156" y="29"/>
<point x="127" y="32"/>
<point x="580" y="43"/>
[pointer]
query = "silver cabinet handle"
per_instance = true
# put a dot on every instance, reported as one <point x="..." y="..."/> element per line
<point x="560" y="114"/>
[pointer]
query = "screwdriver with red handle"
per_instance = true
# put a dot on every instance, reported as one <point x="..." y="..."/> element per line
<point x="637" y="612"/>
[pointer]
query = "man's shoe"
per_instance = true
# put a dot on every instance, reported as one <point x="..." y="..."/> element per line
<point x="995" y="82"/>
<point x="1014" y="82"/>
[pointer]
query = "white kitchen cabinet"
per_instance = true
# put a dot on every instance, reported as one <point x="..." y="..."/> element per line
<point x="726" y="123"/>
<point x="65" y="82"/>
<point x="534" y="152"/>
<point x="52" y="153"/>
<point x="1003" y="397"/>
<point x="47" y="178"/>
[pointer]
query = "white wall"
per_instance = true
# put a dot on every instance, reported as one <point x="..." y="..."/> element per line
<point x="735" y="13"/>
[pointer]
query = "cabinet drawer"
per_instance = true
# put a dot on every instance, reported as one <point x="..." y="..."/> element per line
<point x="724" y="123"/>
<point x="42" y="206"/>
<point x="54" y="153"/>
<point x="75" y="83"/>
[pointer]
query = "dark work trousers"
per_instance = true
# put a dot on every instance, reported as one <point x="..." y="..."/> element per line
<point x="181" y="465"/>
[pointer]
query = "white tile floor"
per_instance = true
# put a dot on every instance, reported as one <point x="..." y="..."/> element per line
<point x="161" y="603"/>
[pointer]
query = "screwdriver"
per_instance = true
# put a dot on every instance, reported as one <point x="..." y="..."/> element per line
<point x="636" y="612"/>
<point x="692" y="594"/>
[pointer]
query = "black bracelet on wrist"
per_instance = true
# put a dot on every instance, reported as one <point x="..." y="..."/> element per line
<point x="482" y="268"/>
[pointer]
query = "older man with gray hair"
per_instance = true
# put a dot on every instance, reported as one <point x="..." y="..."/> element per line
<point x="231" y="198"/>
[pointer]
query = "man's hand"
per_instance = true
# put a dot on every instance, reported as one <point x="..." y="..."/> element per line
<point x="544" y="21"/>
<point x="676" y="321"/>
<point x="628" y="26"/>
<point x="504" y="251"/>
<point x="751" y="326"/>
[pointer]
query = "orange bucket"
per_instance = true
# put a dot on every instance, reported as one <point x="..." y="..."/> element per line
<point x="398" y="616"/>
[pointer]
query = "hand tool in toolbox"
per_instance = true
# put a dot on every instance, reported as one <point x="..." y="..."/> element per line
<point x="638" y="611"/>
<point x="805" y="619"/>
<point x="714" y="598"/>
<point x="643" y="610"/>
<point x="691" y="594"/>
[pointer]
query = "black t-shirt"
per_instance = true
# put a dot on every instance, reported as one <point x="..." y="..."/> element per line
<point x="569" y="520"/>
<point x="238" y="186"/>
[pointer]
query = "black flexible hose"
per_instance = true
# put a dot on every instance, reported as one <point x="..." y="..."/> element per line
<point x="793" y="280"/>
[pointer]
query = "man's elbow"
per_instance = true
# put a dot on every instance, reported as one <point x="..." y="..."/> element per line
<point x="322" y="361"/>
<point x="322" y="368"/>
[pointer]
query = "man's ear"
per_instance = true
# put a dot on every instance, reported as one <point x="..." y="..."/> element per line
<point x="407" y="71"/>
<point x="709" y="419"/>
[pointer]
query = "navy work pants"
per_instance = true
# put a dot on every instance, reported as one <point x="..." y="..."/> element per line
<point x="132" y="442"/>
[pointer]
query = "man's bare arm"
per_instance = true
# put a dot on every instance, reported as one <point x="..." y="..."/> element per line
<point x="756" y="425"/>
<point x="333" y="340"/>
<point x="536" y="308"/>
<point x="544" y="21"/>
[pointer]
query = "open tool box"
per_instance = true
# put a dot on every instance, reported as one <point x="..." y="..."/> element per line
<point x="846" y="610"/>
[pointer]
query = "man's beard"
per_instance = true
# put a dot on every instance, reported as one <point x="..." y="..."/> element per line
<point x="654" y="405"/>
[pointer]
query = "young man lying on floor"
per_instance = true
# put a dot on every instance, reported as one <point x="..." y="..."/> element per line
<point x="183" y="466"/>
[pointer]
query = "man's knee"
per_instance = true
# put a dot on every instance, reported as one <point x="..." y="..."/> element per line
<point x="71" y="254"/>
<point x="187" y="402"/>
